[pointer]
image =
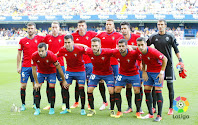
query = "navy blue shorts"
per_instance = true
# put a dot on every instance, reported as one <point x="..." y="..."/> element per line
<point x="88" y="69"/>
<point x="79" y="76"/>
<point x="51" y="78"/>
<point x="58" y="75"/>
<point x="26" y="72"/>
<point x="122" y="80"/>
<point x="94" y="80"/>
<point x="152" y="81"/>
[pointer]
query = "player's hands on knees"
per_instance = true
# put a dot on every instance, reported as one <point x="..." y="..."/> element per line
<point x="161" y="78"/>
<point x="65" y="84"/>
<point x="37" y="86"/>
<point x="19" y="70"/>
<point x="145" y="76"/>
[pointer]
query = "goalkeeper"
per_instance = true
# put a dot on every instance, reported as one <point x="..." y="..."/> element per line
<point x="164" y="42"/>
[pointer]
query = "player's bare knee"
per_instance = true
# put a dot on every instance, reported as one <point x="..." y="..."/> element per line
<point x="51" y="85"/>
<point x="90" y="89"/>
<point x="128" y="85"/>
<point x="148" y="87"/>
<point x="23" y="85"/>
<point x="136" y="90"/>
<point x="158" y="88"/>
<point x="118" y="89"/>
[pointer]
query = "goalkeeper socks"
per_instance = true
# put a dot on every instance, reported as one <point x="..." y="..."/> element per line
<point x="52" y="96"/>
<point x="138" y="102"/>
<point x="91" y="100"/>
<point x="23" y="93"/>
<point x="47" y="92"/>
<point x="129" y="96"/>
<point x="102" y="91"/>
<point x="149" y="101"/>
<point x="154" y="98"/>
<point x="77" y="92"/>
<point x="159" y="101"/>
<point x="82" y="96"/>
<point x="171" y="93"/>
<point x="112" y="101"/>
<point x="118" y="100"/>
<point x="37" y="98"/>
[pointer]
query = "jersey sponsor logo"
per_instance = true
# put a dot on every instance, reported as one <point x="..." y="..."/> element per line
<point x="156" y="39"/>
<point x="77" y="39"/>
<point x="128" y="60"/>
<point x="103" y="37"/>
<point x="59" y="40"/>
<point x="92" y="58"/>
<point x="87" y="37"/>
<point x="103" y="58"/>
<point x="113" y="38"/>
<point x="27" y="43"/>
<point x="167" y="38"/>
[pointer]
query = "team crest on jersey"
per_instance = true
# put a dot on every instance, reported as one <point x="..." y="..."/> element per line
<point x="65" y="54"/>
<point x="50" y="40"/>
<point x="77" y="39"/>
<point x="140" y="55"/>
<point x="103" y="58"/>
<point x="113" y="38"/>
<point x="35" y="41"/>
<point x="92" y="58"/>
<point x="148" y="58"/>
<point x="47" y="61"/>
<point x="132" y="43"/>
<point x="156" y="39"/>
<point x="87" y="37"/>
<point x="167" y="38"/>
<point x="128" y="60"/>
<point x="75" y="54"/>
<point x="59" y="40"/>
<point x="103" y="38"/>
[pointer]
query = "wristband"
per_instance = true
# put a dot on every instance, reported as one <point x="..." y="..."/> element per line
<point x="161" y="72"/>
<point x="180" y="60"/>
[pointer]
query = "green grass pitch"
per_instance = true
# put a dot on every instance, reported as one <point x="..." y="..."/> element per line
<point x="10" y="86"/>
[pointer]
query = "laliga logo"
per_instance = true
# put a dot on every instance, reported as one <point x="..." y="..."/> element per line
<point x="180" y="104"/>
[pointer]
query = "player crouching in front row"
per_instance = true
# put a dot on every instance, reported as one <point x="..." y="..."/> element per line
<point x="153" y="76"/>
<point x="46" y="64"/>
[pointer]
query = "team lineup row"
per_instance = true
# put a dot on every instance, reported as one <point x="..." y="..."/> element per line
<point x="92" y="47"/>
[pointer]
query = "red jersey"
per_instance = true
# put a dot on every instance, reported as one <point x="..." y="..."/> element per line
<point x="44" y="65"/>
<point x="153" y="59"/>
<point x="74" y="59"/>
<point x="101" y="63"/>
<point x="86" y="40"/>
<point x="28" y="46"/>
<point x="54" y="44"/>
<point x="108" y="40"/>
<point x="132" y="40"/>
<point x="128" y="66"/>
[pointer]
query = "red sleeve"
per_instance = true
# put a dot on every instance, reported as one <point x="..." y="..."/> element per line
<point x="94" y="34"/>
<point x="60" y="52"/>
<point x="82" y="49"/>
<point x="157" y="54"/>
<point x="110" y="52"/>
<point x="20" y="47"/>
<point x="114" y="52"/>
<point x="33" y="60"/>
<point x="41" y="38"/>
<point x="53" y="58"/>
<point x="45" y="40"/>
<point x="88" y="50"/>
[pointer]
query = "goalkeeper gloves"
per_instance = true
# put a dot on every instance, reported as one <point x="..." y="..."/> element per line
<point x="182" y="71"/>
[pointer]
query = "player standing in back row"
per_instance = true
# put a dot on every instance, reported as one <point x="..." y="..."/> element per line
<point x="164" y="42"/>
<point x="28" y="46"/>
<point x="108" y="40"/>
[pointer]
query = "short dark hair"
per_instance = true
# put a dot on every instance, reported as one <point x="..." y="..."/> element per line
<point x="125" y="23"/>
<point x="141" y="39"/>
<point x="110" y="20"/>
<point x="123" y="41"/>
<point x="162" y="20"/>
<point x="41" y="45"/>
<point x="81" y="21"/>
<point x="95" y="39"/>
<point x="56" y="22"/>
<point x="31" y="24"/>
<point x="69" y="37"/>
